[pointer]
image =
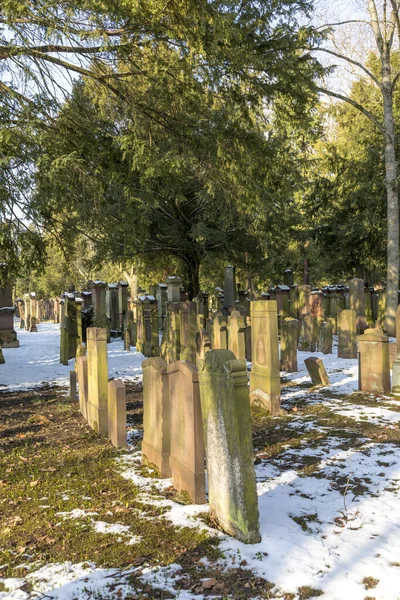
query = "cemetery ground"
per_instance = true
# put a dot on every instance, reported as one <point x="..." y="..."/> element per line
<point x="80" y="519"/>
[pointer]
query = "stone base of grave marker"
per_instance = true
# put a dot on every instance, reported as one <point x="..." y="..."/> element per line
<point x="117" y="413"/>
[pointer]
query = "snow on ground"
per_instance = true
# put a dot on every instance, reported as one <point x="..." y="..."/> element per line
<point x="328" y="528"/>
<point x="37" y="360"/>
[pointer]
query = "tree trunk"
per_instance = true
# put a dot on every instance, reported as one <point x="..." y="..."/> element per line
<point x="392" y="201"/>
<point x="193" y="268"/>
<point x="306" y="272"/>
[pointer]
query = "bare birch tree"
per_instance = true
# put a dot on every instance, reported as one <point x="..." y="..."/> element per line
<point x="382" y="19"/>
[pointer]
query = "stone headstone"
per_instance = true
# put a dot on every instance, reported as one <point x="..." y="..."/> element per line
<point x="225" y="411"/>
<point x="229" y="286"/>
<point x="325" y="338"/>
<point x="72" y="385"/>
<point x="2" y="360"/>
<point x="8" y="336"/>
<point x="347" y="334"/>
<point x="373" y="362"/>
<point x="156" y="416"/>
<point x="289" y="340"/>
<point x="308" y="334"/>
<point x="174" y="289"/>
<point x="316" y="370"/>
<point x="264" y="376"/>
<point x="187" y="443"/>
<point x="117" y="413"/>
<point x="97" y="364"/>
<point x="188" y="325"/>
<point x="288" y="278"/>
<point x="100" y="319"/>
<point x="203" y="344"/>
<point x="356" y="302"/>
<point x="113" y="312"/>
<point x="82" y="375"/>
<point x="237" y="335"/>
<point x="123" y="293"/>
<point x="220" y="334"/>
<point x="316" y="305"/>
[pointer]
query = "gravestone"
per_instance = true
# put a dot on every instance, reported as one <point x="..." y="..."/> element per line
<point x="117" y="413"/>
<point x="219" y="332"/>
<point x="162" y="298"/>
<point x="316" y="305"/>
<point x="8" y="336"/>
<point x="316" y="370"/>
<point x="112" y="301"/>
<point x="100" y="319"/>
<point x="186" y="433"/>
<point x="156" y="416"/>
<point x="123" y="293"/>
<point x="27" y="312"/>
<point x="97" y="365"/>
<point x="147" y="326"/>
<point x="302" y="300"/>
<point x="127" y="340"/>
<point x="72" y="385"/>
<point x="282" y="296"/>
<point x="21" y="307"/>
<point x="373" y="362"/>
<point x="229" y="286"/>
<point x="356" y="302"/>
<point x="309" y="334"/>
<point x="203" y="344"/>
<point x="226" y="418"/>
<point x="347" y="334"/>
<point x="288" y="278"/>
<point x="237" y="335"/>
<point x="2" y="360"/>
<point x="78" y="306"/>
<point x="174" y="289"/>
<point x="325" y="338"/>
<point x="82" y="375"/>
<point x="289" y="340"/>
<point x="264" y="376"/>
<point x="188" y="325"/>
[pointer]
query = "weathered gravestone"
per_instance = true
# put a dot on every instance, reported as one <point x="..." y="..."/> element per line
<point x="97" y="364"/>
<point x="188" y="325"/>
<point x="229" y="287"/>
<point x="162" y="298"/>
<point x="373" y="362"/>
<point x="316" y="305"/>
<point x="309" y="334"/>
<point x="123" y="293"/>
<point x="27" y="312"/>
<point x="156" y="416"/>
<point x="264" y="377"/>
<point x="174" y="289"/>
<point x="347" y="334"/>
<point x="237" y="335"/>
<point x="100" y="318"/>
<point x="186" y="434"/>
<point x="8" y="336"/>
<point x="72" y="385"/>
<point x="225" y="411"/>
<point x="219" y="332"/>
<point x="69" y="339"/>
<point x="289" y="340"/>
<point x="316" y="370"/>
<point x="203" y="344"/>
<point x="356" y="302"/>
<point x="112" y="303"/>
<point x="147" y="326"/>
<point x="325" y="338"/>
<point x="21" y="307"/>
<point x="117" y="413"/>
<point x="82" y="375"/>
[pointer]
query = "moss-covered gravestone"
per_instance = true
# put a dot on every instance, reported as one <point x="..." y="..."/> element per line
<point x="188" y="325"/>
<point x="219" y="332"/>
<point x="289" y="338"/>
<point x="325" y="338"/>
<point x="156" y="416"/>
<point x="203" y="344"/>
<point x="97" y="362"/>
<point x="225" y="411"/>
<point x="309" y="334"/>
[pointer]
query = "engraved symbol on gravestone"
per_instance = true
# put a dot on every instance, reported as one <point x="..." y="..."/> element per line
<point x="148" y="326"/>
<point x="261" y="354"/>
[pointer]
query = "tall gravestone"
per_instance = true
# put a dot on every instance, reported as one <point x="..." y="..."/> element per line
<point x="82" y="376"/>
<point x="356" y="302"/>
<point x="123" y="293"/>
<point x="8" y="336"/>
<point x="187" y="443"/>
<point x="162" y="298"/>
<point x="373" y="362"/>
<point x="308" y="334"/>
<point x="229" y="286"/>
<point x="97" y="365"/>
<point x="289" y="340"/>
<point x="147" y="326"/>
<point x="347" y="334"/>
<point x="113" y="312"/>
<point x="237" y="335"/>
<point x="219" y="332"/>
<point x="225" y="411"/>
<point x="27" y="312"/>
<point x="117" y="413"/>
<point x="325" y="338"/>
<point x="156" y="416"/>
<point x="396" y="363"/>
<point x="174" y="289"/>
<point x="264" y="376"/>
<point x="188" y="325"/>
<point x="100" y="318"/>
<point x="203" y="344"/>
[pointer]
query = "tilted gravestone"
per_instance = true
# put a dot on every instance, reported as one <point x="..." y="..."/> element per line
<point x="225" y="411"/>
<point x="186" y="434"/>
<point x="156" y="416"/>
<point x="316" y="370"/>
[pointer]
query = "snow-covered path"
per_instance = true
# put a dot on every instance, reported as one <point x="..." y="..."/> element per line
<point x="37" y="360"/>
